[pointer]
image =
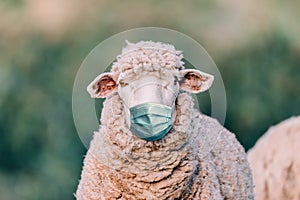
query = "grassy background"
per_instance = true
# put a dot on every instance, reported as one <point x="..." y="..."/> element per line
<point x="43" y="42"/>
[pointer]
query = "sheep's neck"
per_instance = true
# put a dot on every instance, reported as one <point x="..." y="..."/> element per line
<point x="134" y="166"/>
<point x="123" y="151"/>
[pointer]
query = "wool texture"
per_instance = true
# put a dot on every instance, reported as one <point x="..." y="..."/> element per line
<point x="148" y="56"/>
<point x="197" y="159"/>
<point x="275" y="162"/>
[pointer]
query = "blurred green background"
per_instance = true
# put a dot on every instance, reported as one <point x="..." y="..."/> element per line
<point x="254" y="43"/>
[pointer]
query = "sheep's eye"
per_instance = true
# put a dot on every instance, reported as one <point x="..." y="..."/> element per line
<point x="123" y="84"/>
<point x="176" y="80"/>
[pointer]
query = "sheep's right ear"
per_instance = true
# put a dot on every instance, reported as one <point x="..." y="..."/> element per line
<point x="103" y="86"/>
<point x="195" y="81"/>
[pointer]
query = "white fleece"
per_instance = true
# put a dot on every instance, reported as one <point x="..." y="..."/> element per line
<point x="197" y="159"/>
<point x="120" y="165"/>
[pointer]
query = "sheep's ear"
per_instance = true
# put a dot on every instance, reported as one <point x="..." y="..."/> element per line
<point x="103" y="86"/>
<point x="195" y="81"/>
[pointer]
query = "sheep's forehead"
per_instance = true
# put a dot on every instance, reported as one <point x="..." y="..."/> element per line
<point x="163" y="75"/>
<point x="148" y="56"/>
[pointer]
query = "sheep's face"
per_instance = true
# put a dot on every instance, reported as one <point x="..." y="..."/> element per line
<point x="150" y="89"/>
<point x="149" y="103"/>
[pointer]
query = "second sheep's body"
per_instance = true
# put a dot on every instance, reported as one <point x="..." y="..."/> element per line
<point x="196" y="159"/>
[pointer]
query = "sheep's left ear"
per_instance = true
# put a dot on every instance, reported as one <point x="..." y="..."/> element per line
<point x="195" y="81"/>
<point x="102" y="86"/>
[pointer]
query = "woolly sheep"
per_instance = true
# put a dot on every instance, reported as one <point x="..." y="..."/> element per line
<point x="120" y="165"/>
<point x="275" y="162"/>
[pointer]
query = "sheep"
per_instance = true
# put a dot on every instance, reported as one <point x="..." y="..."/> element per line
<point x="275" y="162"/>
<point x="196" y="159"/>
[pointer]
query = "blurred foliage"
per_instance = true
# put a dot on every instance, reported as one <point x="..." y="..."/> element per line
<point x="38" y="145"/>
<point x="43" y="43"/>
<point x="262" y="86"/>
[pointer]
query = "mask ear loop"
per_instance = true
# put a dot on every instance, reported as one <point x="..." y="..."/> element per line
<point x="174" y="98"/>
<point x="126" y="111"/>
<point x="123" y="101"/>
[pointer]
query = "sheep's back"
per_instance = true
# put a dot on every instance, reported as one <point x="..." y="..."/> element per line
<point x="275" y="162"/>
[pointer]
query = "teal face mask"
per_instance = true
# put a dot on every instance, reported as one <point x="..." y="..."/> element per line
<point x="150" y="121"/>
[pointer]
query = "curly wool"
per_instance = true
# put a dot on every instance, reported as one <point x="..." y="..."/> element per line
<point x="190" y="162"/>
<point x="148" y="56"/>
<point x="275" y="162"/>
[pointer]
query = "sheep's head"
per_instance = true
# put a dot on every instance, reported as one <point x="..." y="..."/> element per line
<point x="148" y="76"/>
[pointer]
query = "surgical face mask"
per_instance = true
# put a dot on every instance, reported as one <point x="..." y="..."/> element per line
<point x="150" y="121"/>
